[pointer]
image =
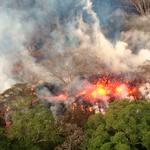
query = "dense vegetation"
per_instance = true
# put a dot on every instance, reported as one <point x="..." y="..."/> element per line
<point x="124" y="126"/>
<point x="33" y="127"/>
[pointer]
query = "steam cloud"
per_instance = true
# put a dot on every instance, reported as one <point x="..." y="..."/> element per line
<point x="74" y="24"/>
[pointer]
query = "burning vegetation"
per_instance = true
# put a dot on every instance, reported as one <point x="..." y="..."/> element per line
<point x="93" y="95"/>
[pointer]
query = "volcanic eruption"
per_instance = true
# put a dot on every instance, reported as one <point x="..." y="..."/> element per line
<point x="94" y="90"/>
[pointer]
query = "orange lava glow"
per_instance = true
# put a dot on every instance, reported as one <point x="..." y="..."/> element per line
<point x="82" y="93"/>
<point x="90" y="109"/>
<point x="7" y="122"/>
<point x="35" y="100"/>
<point x="61" y="96"/>
<point x="119" y="89"/>
<point x="107" y="86"/>
<point x="32" y="89"/>
<point x="74" y="106"/>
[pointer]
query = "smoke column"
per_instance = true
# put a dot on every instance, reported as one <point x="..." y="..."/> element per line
<point x="83" y="25"/>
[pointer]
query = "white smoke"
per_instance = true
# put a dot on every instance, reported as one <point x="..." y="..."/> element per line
<point x="80" y="31"/>
<point x="117" y="57"/>
<point x="5" y="74"/>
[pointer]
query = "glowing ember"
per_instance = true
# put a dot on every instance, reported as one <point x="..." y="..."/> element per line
<point x="108" y="86"/>
<point x="90" y="109"/>
<point x="32" y="89"/>
<point x="99" y="91"/>
<point x="82" y="108"/>
<point x="35" y="100"/>
<point x="82" y="93"/>
<point x="61" y="96"/>
<point x="6" y="121"/>
<point x="74" y="106"/>
<point x="119" y="89"/>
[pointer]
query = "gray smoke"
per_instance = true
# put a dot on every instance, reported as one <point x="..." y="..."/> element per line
<point x="77" y="25"/>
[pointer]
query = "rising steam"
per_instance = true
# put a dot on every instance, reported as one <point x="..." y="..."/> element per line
<point x="76" y="25"/>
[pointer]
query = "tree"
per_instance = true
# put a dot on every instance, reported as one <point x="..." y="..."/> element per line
<point x="9" y="143"/>
<point x="142" y="6"/>
<point x="125" y="125"/>
<point x="73" y="137"/>
<point x="65" y="66"/>
<point x="33" y="125"/>
<point x="143" y="72"/>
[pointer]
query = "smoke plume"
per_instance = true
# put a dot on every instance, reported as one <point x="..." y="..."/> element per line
<point x="99" y="28"/>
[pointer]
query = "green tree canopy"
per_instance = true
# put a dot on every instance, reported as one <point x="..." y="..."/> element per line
<point x="9" y="143"/>
<point x="33" y="127"/>
<point x="125" y="126"/>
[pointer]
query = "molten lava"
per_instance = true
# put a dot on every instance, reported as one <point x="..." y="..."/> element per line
<point x="110" y="86"/>
<point x="61" y="97"/>
<point x="6" y="121"/>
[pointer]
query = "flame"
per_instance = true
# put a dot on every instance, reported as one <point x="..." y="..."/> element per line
<point x="99" y="91"/>
<point x="35" y="100"/>
<point x="74" y="106"/>
<point x="7" y="122"/>
<point x="82" y="93"/>
<point x="61" y="96"/>
<point x="119" y="89"/>
<point x="90" y="109"/>
<point x="107" y="85"/>
<point x="130" y="92"/>
<point x="32" y="89"/>
<point x="82" y="108"/>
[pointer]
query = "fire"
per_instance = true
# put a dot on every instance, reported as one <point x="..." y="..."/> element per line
<point x="82" y="108"/>
<point x="99" y="91"/>
<point x="32" y="89"/>
<point x="119" y="90"/>
<point x="35" y="100"/>
<point x="130" y="92"/>
<point x="108" y="85"/>
<point x="74" y="106"/>
<point x="82" y="93"/>
<point x="61" y="96"/>
<point x="7" y="122"/>
<point x="90" y="109"/>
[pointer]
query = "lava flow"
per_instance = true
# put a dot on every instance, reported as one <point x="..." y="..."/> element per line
<point x="108" y="87"/>
<point x="105" y="87"/>
<point x="97" y="92"/>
